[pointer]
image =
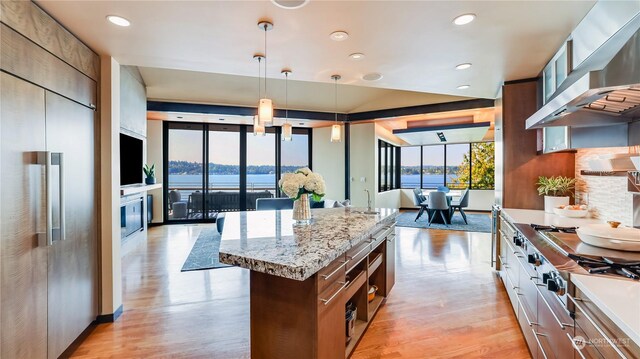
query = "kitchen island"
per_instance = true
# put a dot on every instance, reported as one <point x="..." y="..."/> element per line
<point x="303" y="277"/>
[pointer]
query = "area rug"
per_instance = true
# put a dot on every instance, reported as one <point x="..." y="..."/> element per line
<point x="477" y="222"/>
<point x="205" y="252"/>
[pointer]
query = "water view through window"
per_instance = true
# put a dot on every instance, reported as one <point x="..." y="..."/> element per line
<point x="193" y="196"/>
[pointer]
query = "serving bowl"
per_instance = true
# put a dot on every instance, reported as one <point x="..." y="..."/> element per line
<point x="571" y="213"/>
<point x="602" y="235"/>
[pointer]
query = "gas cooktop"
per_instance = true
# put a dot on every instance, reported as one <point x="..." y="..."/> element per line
<point x="594" y="260"/>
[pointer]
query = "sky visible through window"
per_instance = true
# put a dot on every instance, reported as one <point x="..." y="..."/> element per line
<point x="187" y="146"/>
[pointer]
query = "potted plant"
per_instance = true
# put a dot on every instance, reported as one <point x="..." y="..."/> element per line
<point x="298" y="186"/>
<point x="150" y="174"/>
<point x="556" y="191"/>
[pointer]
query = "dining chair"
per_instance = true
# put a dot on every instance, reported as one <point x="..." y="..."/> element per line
<point x="438" y="204"/>
<point x="459" y="205"/>
<point x="419" y="200"/>
<point x="444" y="189"/>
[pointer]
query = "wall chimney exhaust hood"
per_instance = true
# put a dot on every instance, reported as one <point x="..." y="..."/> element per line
<point x="603" y="90"/>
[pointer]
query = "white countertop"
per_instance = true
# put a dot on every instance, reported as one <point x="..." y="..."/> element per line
<point x="618" y="299"/>
<point x="528" y="216"/>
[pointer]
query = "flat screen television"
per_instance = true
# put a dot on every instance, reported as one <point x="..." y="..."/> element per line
<point x="130" y="160"/>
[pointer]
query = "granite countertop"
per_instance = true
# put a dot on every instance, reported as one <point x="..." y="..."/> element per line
<point x="618" y="299"/>
<point x="528" y="216"/>
<point x="268" y="241"/>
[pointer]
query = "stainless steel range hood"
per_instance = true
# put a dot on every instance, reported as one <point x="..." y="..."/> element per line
<point x="604" y="90"/>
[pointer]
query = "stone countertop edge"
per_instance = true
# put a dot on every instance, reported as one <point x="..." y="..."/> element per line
<point x="302" y="273"/>
<point x="529" y="216"/>
<point x="613" y="298"/>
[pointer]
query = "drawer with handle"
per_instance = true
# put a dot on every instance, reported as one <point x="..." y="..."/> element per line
<point x="332" y="273"/>
<point x="357" y="253"/>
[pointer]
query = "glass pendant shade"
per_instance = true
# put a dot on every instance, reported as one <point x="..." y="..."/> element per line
<point x="258" y="128"/>
<point x="265" y="111"/>
<point x="287" y="130"/>
<point x="336" y="133"/>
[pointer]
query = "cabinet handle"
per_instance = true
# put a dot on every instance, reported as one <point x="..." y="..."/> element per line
<point x="602" y="334"/>
<point x="535" y="335"/>
<point x="562" y="325"/>
<point x="357" y="254"/>
<point x="327" y="276"/>
<point x="575" y="346"/>
<point x="48" y="160"/>
<point x="524" y="311"/>
<point x="328" y="300"/>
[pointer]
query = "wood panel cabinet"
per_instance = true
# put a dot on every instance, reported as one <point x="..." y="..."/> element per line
<point x="306" y="319"/>
<point x="48" y="194"/>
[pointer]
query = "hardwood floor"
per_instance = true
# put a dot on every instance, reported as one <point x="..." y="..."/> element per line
<point x="447" y="303"/>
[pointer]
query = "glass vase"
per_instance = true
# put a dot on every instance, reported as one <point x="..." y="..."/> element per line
<point x="302" y="209"/>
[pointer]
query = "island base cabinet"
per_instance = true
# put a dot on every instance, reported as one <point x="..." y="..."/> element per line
<point x="290" y="320"/>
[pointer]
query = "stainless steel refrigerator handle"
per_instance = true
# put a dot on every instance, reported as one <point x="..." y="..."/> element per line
<point x="62" y="196"/>
<point x="46" y="238"/>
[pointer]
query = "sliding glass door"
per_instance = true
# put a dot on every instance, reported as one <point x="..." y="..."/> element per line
<point x="223" y="162"/>
<point x="213" y="168"/>
<point x="184" y="168"/>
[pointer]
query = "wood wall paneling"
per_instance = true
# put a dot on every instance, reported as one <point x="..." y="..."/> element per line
<point x="521" y="163"/>
<point x="133" y="101"/>
<point x="28" y="19"/>
<point x="44" y="69"/>
<point x="24" y="265"/>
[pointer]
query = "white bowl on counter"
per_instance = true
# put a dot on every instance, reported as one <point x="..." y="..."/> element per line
<point x="571" y="213"/>
<point x="602" y="235"/>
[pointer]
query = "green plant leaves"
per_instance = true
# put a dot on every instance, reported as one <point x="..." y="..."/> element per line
<point x="555" y="186"/>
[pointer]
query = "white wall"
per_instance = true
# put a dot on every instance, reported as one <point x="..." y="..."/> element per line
<point x="110" y="264"/>
<point x="154" y="156"/>
<point x="364" y="159"/>
<point x="328" y="160"/>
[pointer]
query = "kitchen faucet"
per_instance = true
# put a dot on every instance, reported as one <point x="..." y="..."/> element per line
<point x="368" y="200"/>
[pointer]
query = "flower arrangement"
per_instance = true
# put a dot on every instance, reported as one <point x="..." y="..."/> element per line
<point x="302" y="181"/>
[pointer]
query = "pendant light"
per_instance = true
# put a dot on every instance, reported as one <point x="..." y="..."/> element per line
<point x="287" y="129"/>
<point x="265" y="105"/>
<point x="258" y="128"/>
<point x="336" y="129"/>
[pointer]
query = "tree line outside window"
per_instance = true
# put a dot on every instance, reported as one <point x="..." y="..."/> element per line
<point x="457" y="166"/>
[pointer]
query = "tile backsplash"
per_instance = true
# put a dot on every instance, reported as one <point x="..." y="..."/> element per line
<point x="607" y="195"/>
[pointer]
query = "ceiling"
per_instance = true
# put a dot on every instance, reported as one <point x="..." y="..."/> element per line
<point x="229" y="119"/>
<point x="413" y="44"/>
<point x="203" y="87"/>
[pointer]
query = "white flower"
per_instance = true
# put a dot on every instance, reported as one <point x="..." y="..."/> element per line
<point x="304" y="170"/>
<point x="314" y="184"/>
<point x="286" y="177"/>
<point x="290" y="189"/>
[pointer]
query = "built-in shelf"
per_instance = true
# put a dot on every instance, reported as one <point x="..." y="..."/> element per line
<point x="375" y="263"/>
<point x="137" y="188"/>
<point x="358" y="331"/>
<point x="604" y="173"/>
<point x="355" y="285"/>
<point x="374" y="305"/>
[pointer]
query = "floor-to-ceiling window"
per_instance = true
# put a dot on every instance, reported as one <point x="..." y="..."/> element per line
<point x="410" y="167"/>
<point x="261" y="166"/>
<point x="239" y="167"/>
<point x="185" y="171"/>
<point x="457" y="166"/>
<point x="433" y="172"/>
<point x="224" y="169"/>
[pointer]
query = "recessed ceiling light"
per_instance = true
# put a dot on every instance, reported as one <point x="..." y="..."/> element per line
<point x="464" y="19"/>
<point x="118" y="20"/>
<point x="221" y="119"/>
<point x="290" y="4"/>
<point x="301" y="123"/>
<point x="463" y="87"/>
<point x="356" y="56"/>
<point x="373" y="76"/>
<point x="463" y="66"/>
<point x="339" y="35"/>
<point x="179" y="116"/>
